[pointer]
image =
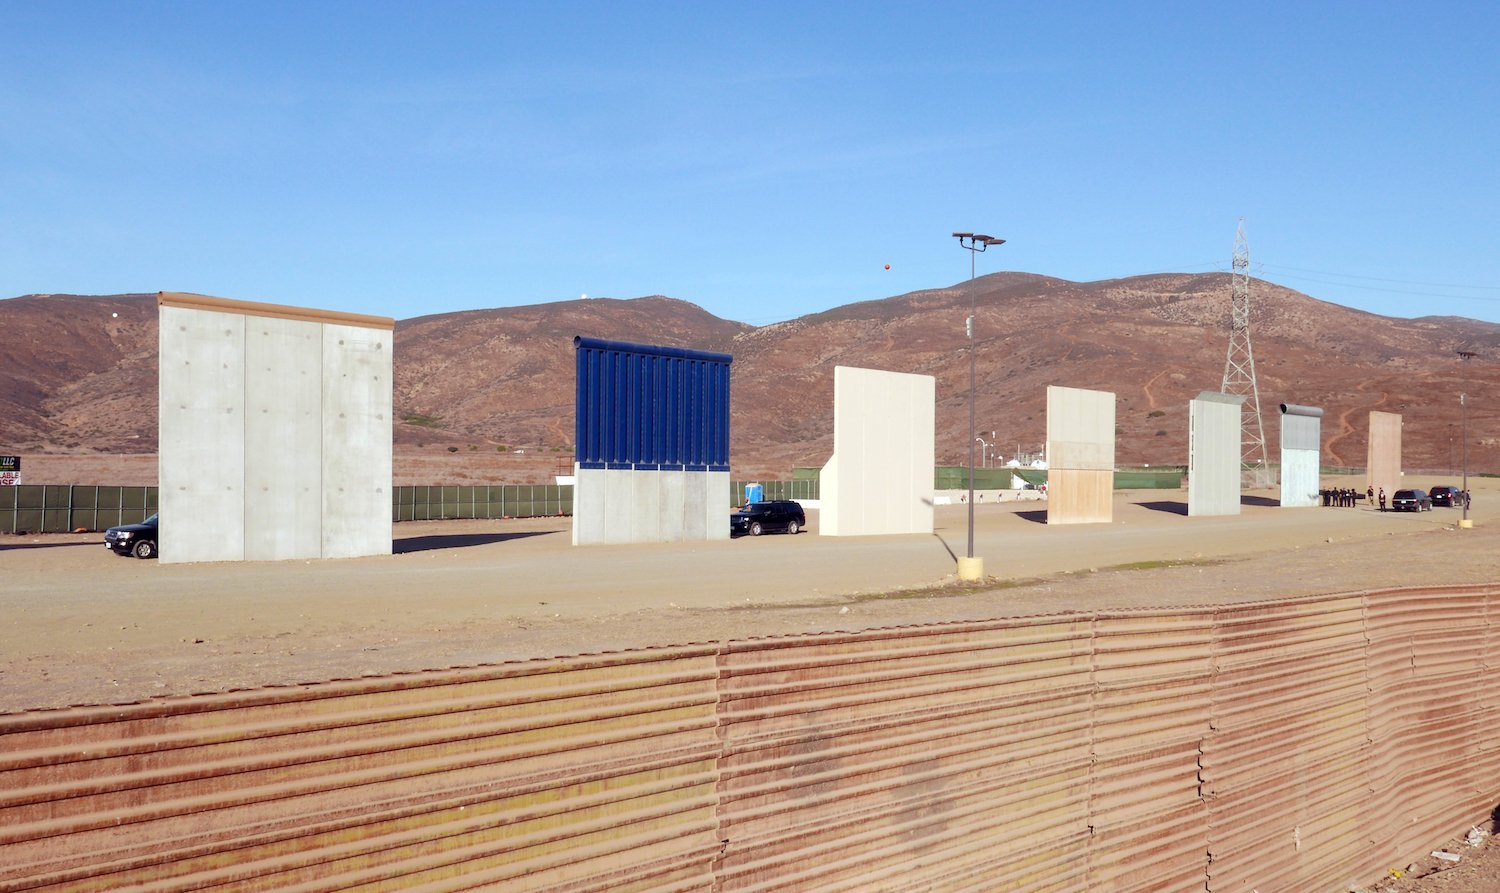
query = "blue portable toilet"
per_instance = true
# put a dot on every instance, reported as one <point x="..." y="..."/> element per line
<point x="755" y="493"/>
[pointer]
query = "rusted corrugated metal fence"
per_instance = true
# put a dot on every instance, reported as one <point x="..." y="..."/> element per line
<point x="1292" y="746"/>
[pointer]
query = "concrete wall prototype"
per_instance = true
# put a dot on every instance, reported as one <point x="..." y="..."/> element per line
<point x="1301" y="458"/>
<point x="1080" y="455"/>
<point x="275" y="437"/>
<point x="1383" y="459"/>
<point x="1236" y="747"/>
<point x="652" y="443"/>
<point x="1214" y="454"/>
<point x="879" y="479"/>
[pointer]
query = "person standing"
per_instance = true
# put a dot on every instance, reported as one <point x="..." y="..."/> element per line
<point x="1382" y="499"/>
<point x="1370" y="494"/>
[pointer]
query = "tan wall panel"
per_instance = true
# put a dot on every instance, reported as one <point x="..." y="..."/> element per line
<point x="1079" y="497"/>
<point x="1383" y="456"/>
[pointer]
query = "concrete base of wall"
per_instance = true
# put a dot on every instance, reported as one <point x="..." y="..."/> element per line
<point x="629" y="506"/>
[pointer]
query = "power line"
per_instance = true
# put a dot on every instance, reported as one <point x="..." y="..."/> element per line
<point x="1393" y="291"/>
<point x="1379" y="279"/>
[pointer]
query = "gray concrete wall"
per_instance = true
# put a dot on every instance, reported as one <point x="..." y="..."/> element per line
<point x="275" y="431"/>
<point x="879" y="479"/>
<point x="201" y="457"/>
<point x="631" y="506"/>
<point x="1214" y="454"/>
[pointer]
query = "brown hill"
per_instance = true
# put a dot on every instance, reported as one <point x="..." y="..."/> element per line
<point x="74" y="377"/>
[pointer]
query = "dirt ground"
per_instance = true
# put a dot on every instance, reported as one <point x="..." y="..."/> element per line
<point x="83" y="626"/>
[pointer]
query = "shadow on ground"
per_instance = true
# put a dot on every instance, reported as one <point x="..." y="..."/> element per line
<point x="457" y="541"/>
<point x="19" y="546"/>
<point x="1171" y="508"/>
<point x="1259" y="500"/>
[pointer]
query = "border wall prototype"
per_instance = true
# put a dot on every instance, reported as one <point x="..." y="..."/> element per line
<point x="879" y="479"/>
<point x="1214" y="454"/>
<point x="275" y="431"/>
<point x="1383" y="457"/>
<point x="652" y="444"/>
<point x="1080" y="456"/>
<point x="1283" y="746"/>
<point x="1301" y="455"/>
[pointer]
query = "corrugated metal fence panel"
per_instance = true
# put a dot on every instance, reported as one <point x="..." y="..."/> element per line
<point x="1154" y="689"/>
<point x="646" y="406"/>
<point x="1428" y="650"/>
<point x="1285" y="767"/>
<point x="1282" y="746"/>
<point x="584" y="774"/>
<point x="942" y="758"/>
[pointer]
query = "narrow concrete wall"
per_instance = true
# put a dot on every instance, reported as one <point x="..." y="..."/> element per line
<point x="879" y="479"/>
<point x="1383" y="458"/>
<point x="1214" y="454"/>
<point x="1301" y="454"/>
<point x="275" y="431"/>
<point x="1080" y="455"/>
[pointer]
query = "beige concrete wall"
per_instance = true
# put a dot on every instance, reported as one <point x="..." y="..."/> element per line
<point x="1080" y="455"/>
<point x="275" y="431"/>
<point x="1383" y="457"/>
<point x="879" y="479"/>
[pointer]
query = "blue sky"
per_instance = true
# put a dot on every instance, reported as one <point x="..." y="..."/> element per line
<point x="761" y="160"/>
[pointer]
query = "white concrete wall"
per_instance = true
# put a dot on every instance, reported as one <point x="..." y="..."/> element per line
<point x="1214" y="454"/>
<point x="356" y="433"/>
<point x="879" y="479"/>
<point x="283" y="444"/>
<point x="1080" y="455"/>
<point x="630" y="506"/>
<point x="201" y="436"/>
<point x="1300" y="479"/>
<point x="275" y="438"/>
<point x="1301" y="455"/>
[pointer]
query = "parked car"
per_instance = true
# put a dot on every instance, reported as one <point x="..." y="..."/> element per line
<point x="133" y="539"/>
<point x="1446" y="495"/>
<point x="761" y="517"/>
<point x="1411" y="501"/>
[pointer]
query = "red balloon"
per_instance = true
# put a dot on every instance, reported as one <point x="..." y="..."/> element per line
<point x="887" y="266"/>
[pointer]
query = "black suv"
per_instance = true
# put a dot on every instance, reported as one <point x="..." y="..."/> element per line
<point x="759" y="517"/>
<point x="133" y="539"/>
<point x="1411" y="501"/>
<point x="1446" y="495"/>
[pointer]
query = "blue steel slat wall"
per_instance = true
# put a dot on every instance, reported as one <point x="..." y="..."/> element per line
<point x="651" y="408"/>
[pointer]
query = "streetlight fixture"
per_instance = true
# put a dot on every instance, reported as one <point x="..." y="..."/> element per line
<point x="1464" y="357"/>
<point x="973" y="243"/>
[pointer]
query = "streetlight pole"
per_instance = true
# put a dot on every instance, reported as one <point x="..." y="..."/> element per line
<point x="1464" y="357"/>
<point x="972" y="243"/>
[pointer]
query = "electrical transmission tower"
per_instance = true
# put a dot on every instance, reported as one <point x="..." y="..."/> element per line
<point x="1239" y="366"/>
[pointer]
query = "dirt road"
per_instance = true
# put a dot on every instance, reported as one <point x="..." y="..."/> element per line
<point x="81" y="625"/>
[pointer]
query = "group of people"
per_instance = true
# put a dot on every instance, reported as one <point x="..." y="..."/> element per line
<point x="1345" y="497"/>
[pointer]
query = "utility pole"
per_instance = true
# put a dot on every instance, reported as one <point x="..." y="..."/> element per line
<point x="1239" y="365"/>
